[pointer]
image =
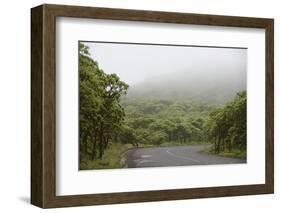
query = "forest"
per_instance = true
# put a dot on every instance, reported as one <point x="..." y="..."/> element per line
<point x="111" y="121"/>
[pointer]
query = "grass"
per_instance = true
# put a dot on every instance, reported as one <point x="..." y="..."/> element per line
<point x="111" y="159"/>
<point x="235" y="153"/>
<point x="113" y="155"/>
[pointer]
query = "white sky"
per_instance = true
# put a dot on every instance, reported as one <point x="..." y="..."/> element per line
<point x="134" y="63"/>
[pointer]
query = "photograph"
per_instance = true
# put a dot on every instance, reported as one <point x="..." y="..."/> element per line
<point x="161" y="105"/>
<point x="169" y="105"/>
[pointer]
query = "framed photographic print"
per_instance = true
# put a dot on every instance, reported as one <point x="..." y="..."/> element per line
<point x="136" y="106"/>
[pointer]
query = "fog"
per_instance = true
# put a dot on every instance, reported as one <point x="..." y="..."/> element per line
<point x="159" y="71"/>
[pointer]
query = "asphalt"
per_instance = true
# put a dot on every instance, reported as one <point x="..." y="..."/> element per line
<point x="175" y="156"/>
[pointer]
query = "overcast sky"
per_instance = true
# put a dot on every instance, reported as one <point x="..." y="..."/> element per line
<point x="135" y="63"/>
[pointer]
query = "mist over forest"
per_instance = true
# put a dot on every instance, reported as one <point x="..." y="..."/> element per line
<point x="191" y="85"/>
<point x="137" y="96"/>
<point x="207" y="74"/>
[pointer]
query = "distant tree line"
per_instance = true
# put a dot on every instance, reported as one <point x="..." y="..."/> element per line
<point x="156" y="122"/>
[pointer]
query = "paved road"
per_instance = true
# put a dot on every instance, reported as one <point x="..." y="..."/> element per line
<point x="174" y="156"/>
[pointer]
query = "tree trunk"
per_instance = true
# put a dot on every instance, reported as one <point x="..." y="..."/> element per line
<point x="94" y="148"/>
<point x="218" y="145"/>
<point x="106" y="142"/>
<point x="101" y="142"/>
<point x="230" y="146"/>
<point x="85" y="145"/>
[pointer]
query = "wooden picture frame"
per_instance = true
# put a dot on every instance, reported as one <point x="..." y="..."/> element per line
<point x="43" y="105"/>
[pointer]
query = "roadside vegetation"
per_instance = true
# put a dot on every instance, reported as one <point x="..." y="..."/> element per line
<point x="227" y="128"/>
<point x="111" y="122"/>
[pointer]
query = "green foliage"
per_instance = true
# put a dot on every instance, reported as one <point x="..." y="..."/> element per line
<point x="158" y="122"/>
<point x="113" y="158"/>
<point x="100" y="111"/>
<point x="110" y="122"/>
<point x="227" y="126"/>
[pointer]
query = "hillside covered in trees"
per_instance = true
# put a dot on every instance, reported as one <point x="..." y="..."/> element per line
<point x="115" y="117"/>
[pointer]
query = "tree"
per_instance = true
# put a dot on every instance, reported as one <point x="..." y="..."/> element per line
<point x="127" y="135"/>
<point x="226" y="126"/>
<point x="101" y="113"/>
<point x="158" y="137"/>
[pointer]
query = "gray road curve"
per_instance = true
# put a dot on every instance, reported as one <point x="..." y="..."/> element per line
<point x="174" y="156"/>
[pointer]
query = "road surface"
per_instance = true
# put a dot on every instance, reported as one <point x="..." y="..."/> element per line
<point x="174" y="156"/>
